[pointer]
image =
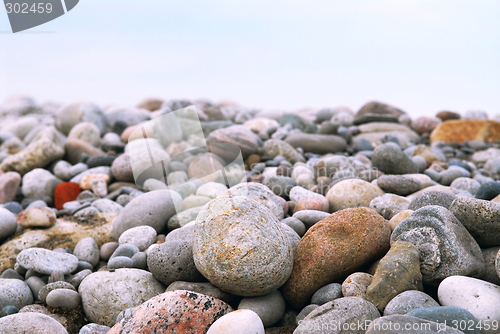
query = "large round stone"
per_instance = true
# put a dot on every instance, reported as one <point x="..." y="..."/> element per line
<point x="45" y="261"/>
<point x="105" y="294"/>
<point x="240" y="247"/>
<point x="31" y="322"/>
<point x="334" y="248"/>
<point x="14" y="292"/>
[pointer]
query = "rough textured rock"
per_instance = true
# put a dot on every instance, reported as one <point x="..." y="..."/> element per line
<point x="397" y="271"/>
<point x="274" y="147"/>
<point x="238" y="135"/>
<point x="481" y="218"/>
<point x="240" y="247"/>
<point x="14" y="292"/>
<point x="355" y="285"/>
<point x="205" y="288"/>
<point x="431" y="197"/>
<point x="352" y="193"/>
<point x="470" y="129"/>
<point x="345" y="310"/>
<point x="446" y="247"/>
<point x="173" y="312"/>
<point x="408" y="301"/>
<point x="389" y="205"/>
<point x="105" y="294"/>
<point x="333" y="248"/>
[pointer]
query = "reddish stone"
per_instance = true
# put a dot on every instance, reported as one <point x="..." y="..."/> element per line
<point x="9" y="183"/>
<point x="65" y="192"/>
<point x="312" y="203"/>
<point x="334" y="248"/>
<point x="178" y="311"/>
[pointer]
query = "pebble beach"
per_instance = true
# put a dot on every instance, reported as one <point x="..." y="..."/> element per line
<point x="326" y="220"/>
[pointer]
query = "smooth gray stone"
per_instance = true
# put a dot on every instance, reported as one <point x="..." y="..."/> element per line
<point x="310" y="217"/>
<point x="64" y="298"/>
<point x="94" y="329"/>
<point x="31" y="322"/>
<point x="157" y="205"/>
<point x="305" y="312"/>
<point x="36" y="284"/>
<point x="120" y="262"/>
<point x="8" y="224"/>
<point x="11" y="273"/>
<point x="79" y="277"/>
<point x="14" y="292"/>
<point x="269" y="307"/>
<point x="452" y="173"/>
<point x="453" y="316"/>
<point x="390" y="159"/>
<point x="185" y="233"/>
<point x="327" y="293"/>
<point x="45" y="290"/>
<point x="45" y="261"/>
<point x="107" y="250"/>
<point x="140" y="261"/>
<point x="127" y="250"/>
<point x="296" y="224"/>
<point x="408" y="301"/>
<point x="87" y="250"/>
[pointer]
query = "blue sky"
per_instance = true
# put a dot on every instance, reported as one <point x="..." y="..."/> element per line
<point x="421" y="56"/>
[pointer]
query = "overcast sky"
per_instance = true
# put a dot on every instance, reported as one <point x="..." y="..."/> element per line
<point x="421" y="56"/>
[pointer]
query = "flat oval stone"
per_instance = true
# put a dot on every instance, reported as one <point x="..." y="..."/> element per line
<point x="177" y="311"/>
<point x="140" y="236"/>
<point x="310" y="217"/>
<point x="46" y="289"/>
<point x="409" y="300"/>
<point x="64" y="298"/>
<point x="395" y="324"/>
<point x="240" y="247"/>
<point x="327" y="293"/>
<point x="45" y="261"/>
<point x="87" y="250"/>
<point x="454" y="316"/>
<point x="479" y="297"/>
<point x="352" y="193"/>
<point x="204" y="288"/>
<point x="14" y="292"/>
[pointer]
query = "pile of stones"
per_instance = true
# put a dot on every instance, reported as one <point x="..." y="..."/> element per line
<point x="334" y="221"/>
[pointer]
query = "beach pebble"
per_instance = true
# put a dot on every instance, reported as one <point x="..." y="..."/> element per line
<point x="238" y="322"/>
<point x="454" y="316"/>
<point x="205" y="288"/>
<point x="46" y="289"/>
<point x="431" y="197"/>
<point x="120" y="262"/>
<point x="465" y="183"/>
<point x="446" y="247"/>
<point x="488" y="190"/>
<point x="8" y="223"/>
<point x="398" y="184"/>
<point x="14" y="292"/>
<point x="297" y="225"/>
<point x="140" y="236"/>
<point x="94" y="329"/>
<point x="345" y="311"/>
<point x="64" y="298"/>
<point x="37" y="217"/>
<point x="269" y="307"/>
<point x="248" y="233"/>
<point x="211" y="189"/>
<point x="87" y="250"/>
<point x="394" y="324"/>
<point x="332" y="249"/>
<point x="45" y="261"/>
<point x="480" y="298"/>
<point x="105" y="294"/>
<point x="327" y="293"/>
<point x="31" y="322"/>
<point x="173" y="261"/>
<point x="409" y="300"/>
<point x="452" y="173"/>
<point x="9" y="184"/>
<point x="389" y="205"/>
<point x="355" y="285"/>
<point x="390" y="159"/>
<point x="107" y="250"/>
<point x="397" y="271"/>
<point x="352" y="193"/>
<point x="177" y="311"/>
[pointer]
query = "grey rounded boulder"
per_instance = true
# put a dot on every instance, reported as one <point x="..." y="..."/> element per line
<point x="241" y="247"/>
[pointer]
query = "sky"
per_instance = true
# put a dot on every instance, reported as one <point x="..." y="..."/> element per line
<point x="420" y="56"/>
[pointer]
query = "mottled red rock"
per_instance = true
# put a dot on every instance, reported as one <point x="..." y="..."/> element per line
<point x="65" y="192"/>
<point x="425" y="124"/>
<point x="312" y="203"/>
<point x="334" y="248"/>
<point x="9" y="183"/>
<point x="178" y="311"/>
